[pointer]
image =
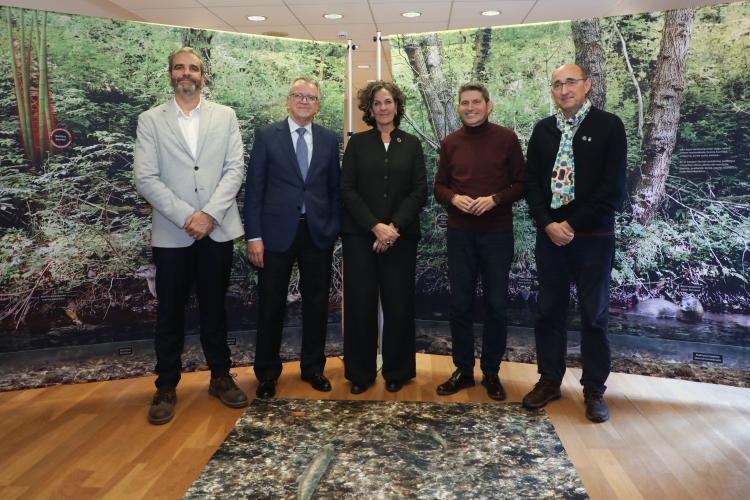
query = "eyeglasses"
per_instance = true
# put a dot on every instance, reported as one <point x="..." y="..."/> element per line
<point x="570" y="82"/>
<point x="303" y="97"/>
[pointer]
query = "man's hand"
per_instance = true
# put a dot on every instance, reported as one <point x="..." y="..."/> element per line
<point x="462" y="202"/>
<point x="199" y="225"/>
<point x="385" y="234"/>
<point x="481" y="205"/>
<point x="255" y="252"/>
<point x="560" y="233"/>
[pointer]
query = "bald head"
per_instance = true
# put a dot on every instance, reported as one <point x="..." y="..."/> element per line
<point x="570" y="86"/>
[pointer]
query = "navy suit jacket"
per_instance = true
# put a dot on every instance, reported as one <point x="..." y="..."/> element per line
<point x="275" y="191"/>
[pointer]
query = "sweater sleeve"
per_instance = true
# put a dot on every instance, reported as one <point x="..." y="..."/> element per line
<point x="442" y="190"/>
<point x="514" y="191"/>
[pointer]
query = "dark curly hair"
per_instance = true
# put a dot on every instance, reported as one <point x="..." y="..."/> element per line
<point x="366" y="97"/>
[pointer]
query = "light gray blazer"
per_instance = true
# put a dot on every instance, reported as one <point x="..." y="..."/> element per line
<point x="176" y="184"/>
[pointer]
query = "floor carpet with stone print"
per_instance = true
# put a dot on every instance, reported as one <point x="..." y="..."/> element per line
<point x="389" y="449"/>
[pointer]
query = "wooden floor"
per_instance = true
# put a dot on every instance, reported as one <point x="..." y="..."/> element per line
<point x="666" y="438"/>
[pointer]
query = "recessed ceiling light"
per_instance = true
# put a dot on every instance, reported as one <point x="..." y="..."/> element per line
<point x="333" y="16"/>
<point x="411" y="14"/>
<point x="491" y="13"/>
<point x="256" y="18"/>
<point x="363" y="66"/>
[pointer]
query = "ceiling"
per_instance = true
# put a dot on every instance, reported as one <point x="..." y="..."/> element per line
<point x="361" y="18"/>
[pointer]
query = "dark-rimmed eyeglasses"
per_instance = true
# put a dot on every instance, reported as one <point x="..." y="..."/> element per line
<point x="303" y="97"/>
<point x="570" y="82"/>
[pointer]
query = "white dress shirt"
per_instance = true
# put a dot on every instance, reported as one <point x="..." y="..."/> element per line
<point x="190" y="125"/>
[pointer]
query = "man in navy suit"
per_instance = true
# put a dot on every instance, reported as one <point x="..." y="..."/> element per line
<point x="292" y="204"/>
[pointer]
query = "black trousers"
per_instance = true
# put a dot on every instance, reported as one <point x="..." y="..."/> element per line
<point x="207" y="265"/>
<point x="273" y="283"/>
<point x="587" y="261"/>
<point x="391" y="274"/>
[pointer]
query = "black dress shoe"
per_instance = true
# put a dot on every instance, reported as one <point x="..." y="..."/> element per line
<point x="358" y="388"/>
<point x="393" y="385"/>
<point x="318" y="381"/>
<point x="596" y="408"/>
<point x="454" y="384"/>
<point x="543" y="392"/>
<point x="266" y="389"/>
<point x="494" y="388"/>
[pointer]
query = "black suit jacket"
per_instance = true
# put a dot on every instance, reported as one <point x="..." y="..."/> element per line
<point x="275" y="190"/>
<point x="383" y="186"/>
<point x="600" y="153"/>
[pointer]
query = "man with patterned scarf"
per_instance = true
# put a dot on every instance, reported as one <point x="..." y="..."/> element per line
<point x="575" y="181"/>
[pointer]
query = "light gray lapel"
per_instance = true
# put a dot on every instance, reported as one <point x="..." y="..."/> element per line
<point x="170" y="117"/>
<point x="207" y="114"/>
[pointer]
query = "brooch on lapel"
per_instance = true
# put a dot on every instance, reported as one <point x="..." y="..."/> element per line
<point x="398" y="139"/>
<point x="586" y="138"/>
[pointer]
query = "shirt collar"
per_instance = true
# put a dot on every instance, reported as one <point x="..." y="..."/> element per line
<point x="293" y="126"/>
<point x="192" y="113"/>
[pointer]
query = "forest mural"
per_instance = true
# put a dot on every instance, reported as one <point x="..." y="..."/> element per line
<point x="75" y="265"/>
<point x="677" y="79"/>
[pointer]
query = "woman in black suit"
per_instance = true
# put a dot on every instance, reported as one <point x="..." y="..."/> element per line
<point x="383" y="187"/>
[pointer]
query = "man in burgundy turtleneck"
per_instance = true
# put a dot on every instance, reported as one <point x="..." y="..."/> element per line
<point x="479" y="178"/>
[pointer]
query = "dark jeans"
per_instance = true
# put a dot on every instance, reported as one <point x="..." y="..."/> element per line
<point x="273" y="284"/>
<point x="586" y="261"/>
<point x="391" y="276"/>
<point x="471" y="255"/>
<point x="207" y="264"/>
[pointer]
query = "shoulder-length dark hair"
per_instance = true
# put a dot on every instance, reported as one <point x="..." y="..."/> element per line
<point x="366" y="97"/>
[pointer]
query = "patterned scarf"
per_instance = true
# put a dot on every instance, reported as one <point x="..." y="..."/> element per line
<point x="563" y="173"/>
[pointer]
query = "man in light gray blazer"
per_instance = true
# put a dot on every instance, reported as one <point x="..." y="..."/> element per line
<point x="189" y="165"/>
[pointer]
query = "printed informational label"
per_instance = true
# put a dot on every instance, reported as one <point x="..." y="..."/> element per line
<point x="125" y="351"/>
<point x="694" y="289"/>
<point x="706" y="160"/>
<point x="57" y="297"/>
<point x="61" y="138"/>
<point x="441" y="221"/>
<point x="708" y="357"/>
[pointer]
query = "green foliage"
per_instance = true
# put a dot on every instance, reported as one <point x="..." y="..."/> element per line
<point x="75" y="226"/>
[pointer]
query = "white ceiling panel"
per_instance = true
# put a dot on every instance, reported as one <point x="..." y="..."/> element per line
<point x="154" y="4"/>
<point x="313" y="14"/>
<point x="361" y="34"/>
<point x="554" y="10"/>
<point x="195" y="17"/>
<point x="432" y="12"/>
<point x="294" y="31"/>
<point x="277" y="15"/>
<point x="469" y="14"/>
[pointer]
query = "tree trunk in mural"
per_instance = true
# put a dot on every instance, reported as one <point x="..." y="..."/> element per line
<point x="590" y="56"/>
<point x="425" y="58"/>
<point x="201" y="40"/>
<point x="482" y="41"/>
<point x="631" y="72"/>
<point x="35" y="121"/>
<point x="663" y="116"/>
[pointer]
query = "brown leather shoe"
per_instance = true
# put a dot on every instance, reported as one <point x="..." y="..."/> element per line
<point x="162" y="407"/>
<point x="454" y="384"/>
<point x="494" y="388"/>
<point x="227" y="391"/>
<point x="596" y="408"/>
<point x="543" y="392"/>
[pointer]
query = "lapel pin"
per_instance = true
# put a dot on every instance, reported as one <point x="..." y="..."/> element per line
<point x="398" y="139"/>
<point x="584" y="138"/>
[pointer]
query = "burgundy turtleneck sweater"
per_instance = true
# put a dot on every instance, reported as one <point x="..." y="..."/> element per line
<point x="480" y="161"/>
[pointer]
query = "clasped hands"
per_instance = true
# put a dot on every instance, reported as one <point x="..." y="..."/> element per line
<point x="473" y="206"/>
<point x="199" y="225"/>
<point x="385" y="236"/>
<point x="561" y="233"/>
